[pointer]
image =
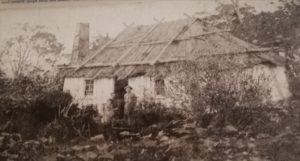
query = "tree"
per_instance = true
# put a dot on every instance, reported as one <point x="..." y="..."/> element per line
<point x="278" y="29"/>
<point x="2" y="80"/>
<point x="229" y="15"/>
<point x="33" y="52"/>
<point x="99" y="41"/>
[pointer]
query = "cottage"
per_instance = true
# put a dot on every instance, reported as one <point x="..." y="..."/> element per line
<point x="144" y="56"/>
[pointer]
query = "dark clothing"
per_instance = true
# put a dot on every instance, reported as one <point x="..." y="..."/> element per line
<point x="118" y="105"/>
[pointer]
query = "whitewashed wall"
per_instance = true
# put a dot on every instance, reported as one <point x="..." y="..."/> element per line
<point x="278" y="81"/>
<point x="102" y="91"/>
<point x="281" y="83"/>
<point x="75" y="86"/>
<point x="270" y="78"/>
<point x="144" y="87"/>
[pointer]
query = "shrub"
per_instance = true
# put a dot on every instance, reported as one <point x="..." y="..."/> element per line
<point x="47" y="105"/>
<point x="154" y="113"/>
<point x="224" y="96"/>
<point x="27" y="104"/>
<point x="72" y="122"/>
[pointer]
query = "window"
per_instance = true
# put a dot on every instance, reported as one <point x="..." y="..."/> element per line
<point x="160" y="87"/>
<point x="89" y="87"/>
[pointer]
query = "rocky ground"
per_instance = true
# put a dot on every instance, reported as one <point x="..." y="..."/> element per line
<point x="176" y="141"/>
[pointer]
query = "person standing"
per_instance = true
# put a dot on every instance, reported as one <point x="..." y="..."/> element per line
<point x="130" y="102"/>
<point x="118" y="105"/>
<point x="108" y="112"/>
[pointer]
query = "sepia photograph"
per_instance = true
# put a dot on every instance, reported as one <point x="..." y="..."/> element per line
<point x="149" y="80"/>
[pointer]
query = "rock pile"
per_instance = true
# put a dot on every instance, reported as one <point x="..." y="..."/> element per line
<point x="13" y="148"/>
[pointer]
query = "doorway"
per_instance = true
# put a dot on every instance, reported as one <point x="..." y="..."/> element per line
<point x="120" y="85"/>
<point x="120" y="88"/>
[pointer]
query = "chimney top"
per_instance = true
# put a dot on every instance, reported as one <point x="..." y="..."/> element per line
<point x="81" y="43"/>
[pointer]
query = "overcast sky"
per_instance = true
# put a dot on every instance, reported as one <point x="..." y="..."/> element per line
<point x="107" y="17"/>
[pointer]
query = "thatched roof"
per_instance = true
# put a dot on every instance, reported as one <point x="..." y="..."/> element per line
<point x="139" y="49"/>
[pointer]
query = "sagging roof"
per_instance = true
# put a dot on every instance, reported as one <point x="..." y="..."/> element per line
<point x="140" y="47"/>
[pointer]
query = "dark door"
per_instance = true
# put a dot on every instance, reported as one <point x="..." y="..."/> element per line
<point x="120" y="92"/>
<point x="119" y="88"/>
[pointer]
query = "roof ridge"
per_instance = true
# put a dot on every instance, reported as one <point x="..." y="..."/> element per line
<point x="139" y="41"/>
<point x="101" y="49"/>
<point x="183" y="30"/>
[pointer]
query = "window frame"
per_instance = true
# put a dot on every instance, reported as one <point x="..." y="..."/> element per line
<point x="89" y="87"/>
<point x="160" y="87"/>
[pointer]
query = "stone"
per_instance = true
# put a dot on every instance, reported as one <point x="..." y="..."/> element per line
<point x="263" y="136"/>
<point x="77" y="148"/>
<point x="181" y="131"/>
<point x="229" y="129"/>
<point x="97" y="138"/>
<point x="190" y="125"/>
<point x="200" y="131"/>
<point x="60" y="157"/>
<point x="44" y="140"/>
<point x="164" y="138"/>
<point x="16" y="137"/>
<point x="31" y="144"/>
<point x="13" y="156"/>
<point x="1" y="141"/>
<point x="149" y="143"/>
<point x="147" y="136"/>
<point x="106" y="156"/>
<point x="87" y="156"/>
<point x="125" y="133"/>
<point x="160" y="133"/>
<point x="251" y="145"/>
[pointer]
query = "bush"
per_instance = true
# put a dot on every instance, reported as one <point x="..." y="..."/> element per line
<point x="72" y="122"/>
<point x="27" y="104"/>
<point x="47" y="105"/>
<point x="220" y="97"/>
<point x="154" y="113"/>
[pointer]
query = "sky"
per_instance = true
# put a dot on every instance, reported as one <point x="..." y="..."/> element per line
<point x="106" y="17"/>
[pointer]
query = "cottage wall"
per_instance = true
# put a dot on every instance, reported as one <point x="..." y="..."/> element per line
<point x="142" y="86"/>
<point x="75" y="86"/>
<point x="102" y="91"/>
<point x="276" y="82"/>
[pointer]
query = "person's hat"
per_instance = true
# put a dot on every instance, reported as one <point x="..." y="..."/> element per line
<point x="128" y="87"/>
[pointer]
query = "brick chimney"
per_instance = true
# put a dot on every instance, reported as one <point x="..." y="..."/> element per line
<point x="81" y="43"/>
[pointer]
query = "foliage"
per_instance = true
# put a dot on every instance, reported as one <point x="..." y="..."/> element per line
<point x="13" y="147"/>
<point x="32" y="52"/>
<point x="2" y="81"/>
<point x="99" y="41"/>
<point x="150" y="113"/>
<point x="231" y="122"/>
<point x="221" y="97"/>
<point x="73" y="122"/>
<point x="272" y="29"/>
<point x="46" y="106"/>
<point x="22" y="105"/>
<point x="278" y="29"/>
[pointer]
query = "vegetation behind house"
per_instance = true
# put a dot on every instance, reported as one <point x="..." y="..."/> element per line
<point x="38" y="121"/>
